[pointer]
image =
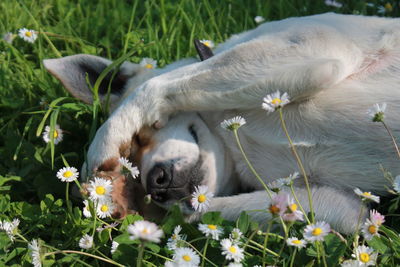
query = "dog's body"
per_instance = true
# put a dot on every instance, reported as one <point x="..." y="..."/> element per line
<point x="334" y="68"/>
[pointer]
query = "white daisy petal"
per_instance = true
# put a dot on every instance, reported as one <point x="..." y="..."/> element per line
<point x="67" y="174"/>
<point x="365" y="256"/>
<point x="274" y="101"/>
<point x="105" y="208"/>
<point x="128" y="168"/>
<point x="369" y="230"/>
<point x="34" y="247"/>
<point x="259" y="19"/>
<point x="86" y="210"/>
<point x="57" y="134"/>
<point x="317" y="231"/>
<point x="231" y="250"/>
<point x="114" y="247"/>
<point x="396" y="184"/>
<point x="145" y="230"/>
<point x="366" y="196"/>
<point x="86" y="241"/>
<point x="148" y="63"/>
<point x="208" y="43"/>
<point x="211" y="230"/>
<point x="233" y="124"/>
<point x="201" y="198"/>
<point x="295" y="242"/>
<point x="186" y="257"/>
<point x="27" y="35"/>
<point x="176" y="239"/>
<point x="99" y="189"/>
<point x="377" y="112"/>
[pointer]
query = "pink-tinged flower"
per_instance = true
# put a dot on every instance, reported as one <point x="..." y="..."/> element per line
<point x="278" y="204"/>
<point x="292" y="213"/>
<point x="376" y="217"/>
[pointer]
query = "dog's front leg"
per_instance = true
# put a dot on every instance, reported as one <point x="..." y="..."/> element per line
<point x="339" y="209"/>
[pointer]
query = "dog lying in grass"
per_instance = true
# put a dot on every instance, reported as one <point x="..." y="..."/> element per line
<point x="167" y="121"/>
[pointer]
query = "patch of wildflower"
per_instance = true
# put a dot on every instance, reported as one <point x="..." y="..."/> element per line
<point x="365" y="256"/>
<point x="34" y="248"/>
<point x="278" y="204"/>
<point x="231" y="250"/>
<point x="148" y="63"/>
<point x="104" y="208"/>
<point x="211" y="230"/>
<point x="127" y="167"/>
<point x="333" y="3"/>
<point x="185" y="257"/>
<point x="275" y="101"/>
<point x="377" y="112"/>
<point x="236" y="235"/>
<point x="396" y="184"/>
<point x="295" y="242"/>
<point x="10" y="228"/>
<point x="369" y="230"/>
<point x="176" y="239"/>
<point x="366" y="196"/>
<point x="292" y="213"/>
<point x="201" y="198"/>
<point x="8" y="37"/>
<point x="376" y="217"/>
<point x="317" y="231"/>
<point x="67" y="174"/>
<point x="29" y="36"/>
<point x="145" y="231"/>
<point x="57" y="134"/>
<point x="259" y="19"/>
<point x="100" y="189"/>
<point x="86" y="209"/>
<point x="86" y="241"/>
<point x="233" y="124"/>
<point x="114" y="247"/>
<point x="208" y="43"/>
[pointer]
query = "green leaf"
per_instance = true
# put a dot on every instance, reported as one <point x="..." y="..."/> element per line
<point x="131" y="218"/>
<point x="243" y="222"/>
<point x="213" y="217"/>
<point x="335" y="249"/>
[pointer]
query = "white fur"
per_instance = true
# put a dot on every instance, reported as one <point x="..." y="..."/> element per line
<point x="334" y="67"/>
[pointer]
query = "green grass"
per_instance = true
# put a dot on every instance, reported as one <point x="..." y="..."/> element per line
<point x="160" y="29"/>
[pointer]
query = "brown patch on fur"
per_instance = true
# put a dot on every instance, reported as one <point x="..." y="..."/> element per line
<point x="125" y="149"/>
<point x="141" y="143"/>
<point x="109" y="165"/>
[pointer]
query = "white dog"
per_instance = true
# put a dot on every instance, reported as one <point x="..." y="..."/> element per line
<point x="333" y="67"/>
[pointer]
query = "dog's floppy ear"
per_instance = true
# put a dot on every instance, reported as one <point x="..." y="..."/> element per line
<point x="73" y="70"/>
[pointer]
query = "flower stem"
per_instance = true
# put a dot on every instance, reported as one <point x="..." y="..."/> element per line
<point x="293" y="257"/>
<point x="393" y="139"/>
<point x="249" y="164"/>
<point x="300" y="164"/>
<point x="82" y="253"/>
<point x="356" y="234"/>
<point x="140" y="255"/>
<point x="266" y="240"/>
<point x="204" y="253"/>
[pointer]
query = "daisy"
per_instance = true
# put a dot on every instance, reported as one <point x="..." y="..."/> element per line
<point x="105" y="208"/>
<point x="176" y="238"/>
<point x="396" y="184"/>
<point x="333" y="3"/>
<point x="145" y="231"/>
<point x="231" y="250"/>
<point x="369" y="230"/>
<point x="28" y="35"/>
<point x="114" y="246"/>
<point x="10" y="228"/>
<point x="235" y="264"/>
<point x="274" y="101"/>
<point x="233" y="124"/>
<point x="201" y="198"/>
<point x="350" y="263"/>
<point x="57" y="134"/>
<point x="377" y="112"/>
<point x="276" y="185"/>
<point x="86" y="209"/>
<point x="68" y="174"/>
<point x="259" y="19"/>
<point x="236" y="235"/>
<point x="376" y="217"/>
<point x="278" y="204"/>
<point x="127" y="167"/>
<point x="365" y="256"/>
<point x="366" y="196"/>
<point x="208" y="43"/>
<point x="295" y="242"/>
<point x="34" y="247"/>
<point x="86" y="241"/>
<point x="100" y="189"/>
<point x="317" y="231"/>
<point x="148" y="63"/>
<point x="8" y="37"/>
<point x="292" y="213"/>
<point x="211" y="230"/>
<point x="186" y="257"/>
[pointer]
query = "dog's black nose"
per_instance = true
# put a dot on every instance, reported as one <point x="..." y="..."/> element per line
<point x="158" y="180"/>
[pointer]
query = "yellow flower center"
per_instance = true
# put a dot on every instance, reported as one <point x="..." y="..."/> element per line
<point x="104" y="208"/>
<point x="55" y="134"/>
<point x="68" y="174"/>
<point x="145" y="231"/>
<point x="28" y="34"/>
<point x="174" y="236"/>
<point x="276" y="101"/>
<point x="293" y="207"/>
<point x="186" y="258"/>
<point x="296" y="242"/>
<point x="372" y="229"/>
<point x="317" y="231"/>
<point x="232" y="249"/>
<point x="364" y="257"/>
<point x="202" y="198"/>
<point x="366" y="194"/>
<point x="148" y="66"/>
<point x="212" y="227"/>
<point x="274" y="209"/>
<point x="100" y="190"/>
<point x="207" y="43"/>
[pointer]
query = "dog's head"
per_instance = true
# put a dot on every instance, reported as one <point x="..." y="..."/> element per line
<point x="172" y="160"/>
